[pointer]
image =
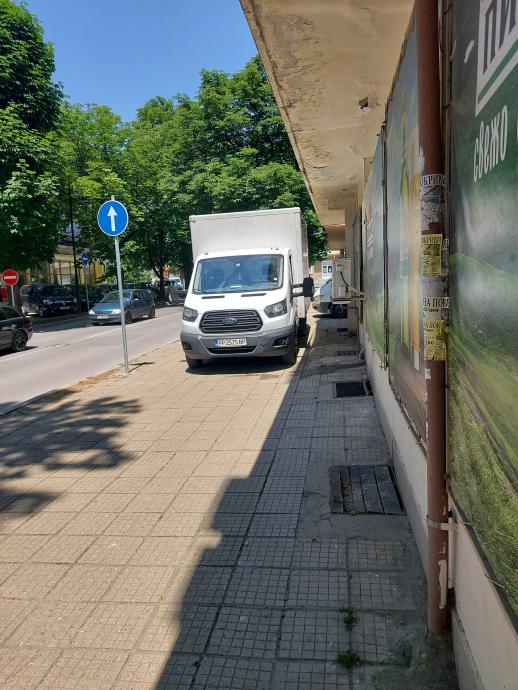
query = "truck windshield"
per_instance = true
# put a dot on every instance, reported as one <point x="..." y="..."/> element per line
<point x="252" y="273"/>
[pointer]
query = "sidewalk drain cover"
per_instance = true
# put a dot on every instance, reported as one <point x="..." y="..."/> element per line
<point x="349" y="389"/>
<point x="346" y="353"/>
<point x="364" y="489"/>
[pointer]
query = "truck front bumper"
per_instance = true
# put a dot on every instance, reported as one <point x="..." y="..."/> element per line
<point x="268" y="344"/>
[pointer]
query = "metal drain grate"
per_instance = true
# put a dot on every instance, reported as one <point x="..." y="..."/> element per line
<point x="350" y="389"/>
<point x="362" y="489"/>
<point x="346" y="353"/>
<point x="342" y="330"/>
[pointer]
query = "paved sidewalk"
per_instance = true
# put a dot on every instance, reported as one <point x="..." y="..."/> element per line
<point x="173" y="530"/>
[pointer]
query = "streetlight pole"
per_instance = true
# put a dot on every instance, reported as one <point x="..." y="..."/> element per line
<point x="72" y="232"/>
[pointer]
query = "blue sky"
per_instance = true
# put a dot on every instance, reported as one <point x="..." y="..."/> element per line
<point x="122" y="52"/>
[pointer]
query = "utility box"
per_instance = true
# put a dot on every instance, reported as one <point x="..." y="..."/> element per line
<point x="342" y="279"/>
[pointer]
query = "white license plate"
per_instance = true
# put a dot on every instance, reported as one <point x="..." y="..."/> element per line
<point x="103" y="317"/>
<point x="230" y="342"/>
<point x="64" y="308"/>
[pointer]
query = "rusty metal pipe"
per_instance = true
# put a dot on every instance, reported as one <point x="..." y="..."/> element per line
<point x="432" y="224"/>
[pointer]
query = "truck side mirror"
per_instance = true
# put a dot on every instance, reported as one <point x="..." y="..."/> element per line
<point x="308" y="287"/>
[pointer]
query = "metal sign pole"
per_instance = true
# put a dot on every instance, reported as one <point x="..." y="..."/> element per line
<point x="121" y="302"/>
<point x="86" y="288"/>
<point x="12" y="295"/>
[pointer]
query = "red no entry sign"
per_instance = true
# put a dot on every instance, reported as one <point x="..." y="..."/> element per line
<point x="10" y="277"/>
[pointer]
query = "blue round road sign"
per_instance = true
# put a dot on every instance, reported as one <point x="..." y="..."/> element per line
<point x="84" y="258"/>
<point x="112" y="218"/>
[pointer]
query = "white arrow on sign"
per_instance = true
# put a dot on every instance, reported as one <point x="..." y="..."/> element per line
<point x="112" y="213"/>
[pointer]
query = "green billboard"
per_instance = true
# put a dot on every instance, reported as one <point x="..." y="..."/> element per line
<point x="373" y="224"/>
<point x="405" y="332"/>
<point x="483" y="334"/>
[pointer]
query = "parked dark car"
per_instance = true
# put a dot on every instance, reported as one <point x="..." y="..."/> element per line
<point x="47" y="300"/>
<point x="137" y="304"/>
<point x="15" y="329"/>
<point x="95" y="295"/>
<point x="175" y="294"/>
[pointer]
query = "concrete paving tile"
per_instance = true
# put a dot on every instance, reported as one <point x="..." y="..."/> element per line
<point x="273" y="525"/>
<point x="32" y="581"/>
<point x="325" y="554"/>
<point x="318" y="589"/>
<point x="51" y="624"/>
<point x="264" y="587"/>
<point x="205" y="485"/>
<point x="370" y="638"/>
<point x="7" y="569"/>
<point x="45" y="523"/>
<point x="127" y="485"/>
<point x="84" y="583"/>
<point x="185" y="629"/>
<point x="252" y="484"/>
<point x="91" y="484"/>
<point x="245" y="632"/>
<point x="173" y="524"/>
<point x="215" y="550"/>
<point x="17" y="548"/>
<point x="149" y="503"/>
<point x="279" y="502"/>
<point x="236" y="502"/>
<point x="164" y="485"/>
<point x="145" y="584"/>
<point x="239" y="674"/>
<point x="367" y="554"/>
<point x="108" y="502"/>
<point x="157" y="671"/>
<point x="216" y="468"/>
<point x="198" y="585"/>
<point x="63" y="548"/>
<point x="133" y="524"/>
<point x="12" y="613"/>
<point x="111" y="550"/>
<point x="166" y="551"/>
<point x="88" y="523"/>
<point x="84" y="669"/>
<point x="9" y="522"/>
<point x="114" y="625"/>
<point x="193" y="503"/>
<point x="68" y="503"/>
<point x="284" y="484"/>
<point x="310" y="675"/>
<point x="312" y="635"/>
<point x="225" y="524"/>
<point x="23" y="669"/>
<point x="382" y="591"/>
<point x="263" y="553"/>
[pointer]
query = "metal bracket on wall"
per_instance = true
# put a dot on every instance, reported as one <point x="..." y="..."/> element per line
<point x="445" y="526"/>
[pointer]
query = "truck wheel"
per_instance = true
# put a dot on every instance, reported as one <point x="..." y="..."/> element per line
<point x="339" y="310"/>
<point x="290" y="358"/>
<point x="193" y="363"/>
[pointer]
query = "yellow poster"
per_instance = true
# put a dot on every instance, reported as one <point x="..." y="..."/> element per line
<point x="431" y="246"/>
<point x="435" y="340"/>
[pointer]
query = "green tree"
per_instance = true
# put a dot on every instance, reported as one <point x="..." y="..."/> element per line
<point x="30" y="214"/>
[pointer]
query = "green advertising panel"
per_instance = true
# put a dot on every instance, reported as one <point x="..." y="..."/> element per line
<point x="405" y="346"/>
<point x="483" y="338"/>
<point x="373" y="212"/>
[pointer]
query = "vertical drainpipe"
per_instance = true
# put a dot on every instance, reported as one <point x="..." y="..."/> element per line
<point x="433" y="292"/>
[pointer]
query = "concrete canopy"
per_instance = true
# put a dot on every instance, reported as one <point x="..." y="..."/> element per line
<point x="331" y="65"/>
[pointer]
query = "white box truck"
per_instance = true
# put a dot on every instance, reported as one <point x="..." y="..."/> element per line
<point x="250" y="288"/>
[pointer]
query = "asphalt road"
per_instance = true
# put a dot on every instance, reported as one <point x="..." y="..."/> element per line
<point x="63" y="352"/>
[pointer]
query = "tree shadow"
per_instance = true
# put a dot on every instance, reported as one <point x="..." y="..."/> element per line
<point x="58" y="434"/>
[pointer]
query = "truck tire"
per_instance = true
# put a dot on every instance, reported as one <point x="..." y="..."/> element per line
<point x="193" y="363"/>
<point x="290" y="358"/>
<point x="302" y="329"/>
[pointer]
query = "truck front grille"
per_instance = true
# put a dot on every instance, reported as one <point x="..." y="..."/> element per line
<point x="238" y="321"/>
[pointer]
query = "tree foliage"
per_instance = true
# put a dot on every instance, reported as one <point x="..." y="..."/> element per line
<point x="29" y="161"/>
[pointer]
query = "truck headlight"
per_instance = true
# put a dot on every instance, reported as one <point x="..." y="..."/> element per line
<point x="277" y="309"/>
<point x="189" y="314"/>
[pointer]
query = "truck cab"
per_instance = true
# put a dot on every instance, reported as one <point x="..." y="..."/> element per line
<point x="243" y="303"/>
